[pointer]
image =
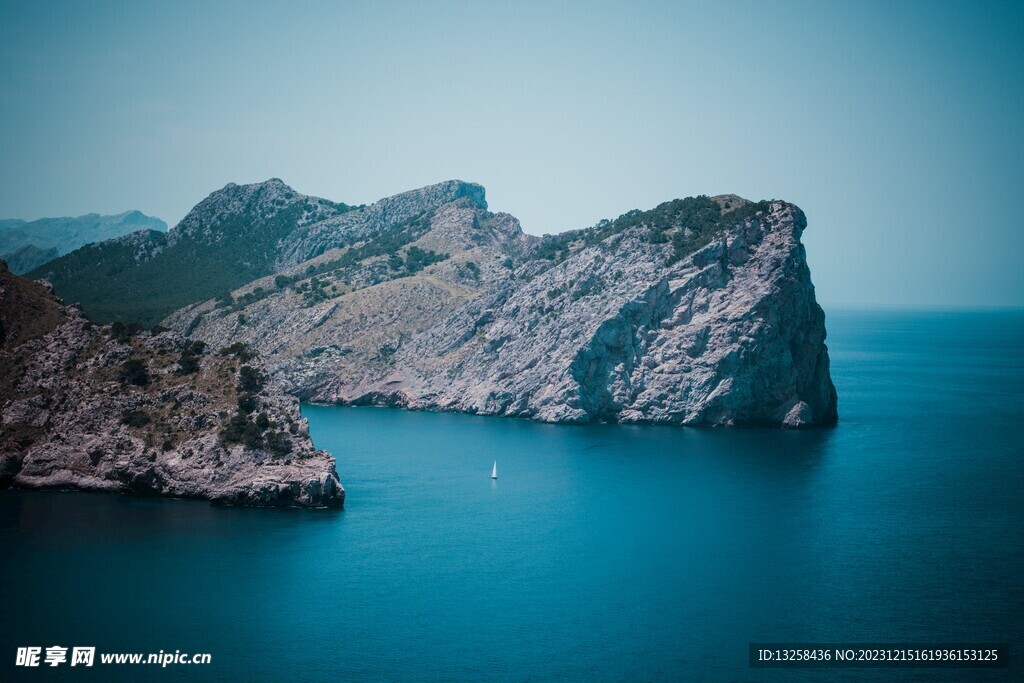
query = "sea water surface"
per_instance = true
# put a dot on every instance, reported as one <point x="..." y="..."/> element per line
<point x="602" y="552"/>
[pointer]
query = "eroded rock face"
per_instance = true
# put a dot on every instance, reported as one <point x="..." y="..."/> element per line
<point x="101" y="408"/>
<point x="616" y="324"/>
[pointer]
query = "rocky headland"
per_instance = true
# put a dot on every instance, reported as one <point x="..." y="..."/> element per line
<point x="700" y="311"/>
<point x="116" y="408"/>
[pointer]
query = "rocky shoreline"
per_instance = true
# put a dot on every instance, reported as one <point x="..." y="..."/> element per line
<point x="111" y="408"/>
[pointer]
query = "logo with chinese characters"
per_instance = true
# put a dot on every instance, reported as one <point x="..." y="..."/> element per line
<point x="55" y="656"/>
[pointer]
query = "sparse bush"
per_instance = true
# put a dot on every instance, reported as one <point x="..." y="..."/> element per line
<point x="123" y="333"/>
<point x="187" y="364"/>
<point x="278" y="444"/>
<point x="417" y="259"/>
<point x="135" y="418"/>
<point x="252" y="437"/>
<point x="234" y="430"/>
<point x="134" y="371"/>
<point x="688" y="223"/>
<point x="250" y="380"/>
<point x="189" y="361"/>
<point x="246" y="404"/>
<point x="239" y="350"/>
<point x="254" y="434"/>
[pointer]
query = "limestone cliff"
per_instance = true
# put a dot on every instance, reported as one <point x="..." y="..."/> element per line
<point x="698" y="312"/>
<point x="119" y="409"/>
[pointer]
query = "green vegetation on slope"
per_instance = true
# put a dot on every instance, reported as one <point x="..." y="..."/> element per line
<point x="384" y="243"/>
<point x="319" y="282"/>
<point x="689" y="224"/>
<point x="112" y="284"/>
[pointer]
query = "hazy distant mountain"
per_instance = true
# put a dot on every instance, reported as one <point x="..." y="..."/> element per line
<point x="29" y="244"/>
<point x="28" y="257"/>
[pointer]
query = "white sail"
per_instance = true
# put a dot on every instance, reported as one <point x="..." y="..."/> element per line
<point x="494" y="472"/>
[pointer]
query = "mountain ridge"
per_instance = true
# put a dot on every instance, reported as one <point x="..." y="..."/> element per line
<point x="26" y="245"/>
<point x="235" y="235"/>
<point x="501" y="322"/>
<point x="698" y="311"/>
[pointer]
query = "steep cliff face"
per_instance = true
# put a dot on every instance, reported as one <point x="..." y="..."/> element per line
<point x="115" y="409"/>
<point x="697" y="312"/>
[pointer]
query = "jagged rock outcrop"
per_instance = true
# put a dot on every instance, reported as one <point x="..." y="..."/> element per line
<point x="698" y="312"/>
<point x="117" y="409"/>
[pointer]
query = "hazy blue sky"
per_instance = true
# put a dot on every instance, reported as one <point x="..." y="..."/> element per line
<point x="897" y="126"/>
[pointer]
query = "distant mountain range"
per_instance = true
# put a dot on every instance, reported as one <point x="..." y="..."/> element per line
<point x="699" y="311"/>
<point x="26" y="245"/>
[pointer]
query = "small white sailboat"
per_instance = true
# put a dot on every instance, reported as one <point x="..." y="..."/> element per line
<point x="494" y="472"/>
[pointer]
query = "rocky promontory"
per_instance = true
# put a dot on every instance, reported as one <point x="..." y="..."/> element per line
<point x="116" y="408"/>
<point x="700" y="311"/>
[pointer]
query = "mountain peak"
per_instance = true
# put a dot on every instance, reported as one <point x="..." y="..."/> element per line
<point x="249" y="203"/>
<point x="443" y="193"/>
<point x="474" y="191"/>
<point x="270" y="183"/>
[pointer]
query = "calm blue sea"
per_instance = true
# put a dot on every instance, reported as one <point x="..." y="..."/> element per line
<point x="601" y="552"/>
